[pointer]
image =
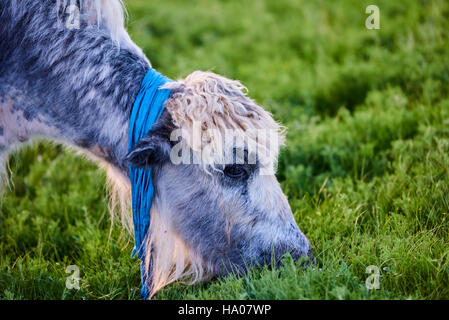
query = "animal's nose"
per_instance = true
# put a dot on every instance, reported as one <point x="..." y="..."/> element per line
<point x="308" y="259"/>
<point x="305" y="256"/>
<point x="274" y="257"/>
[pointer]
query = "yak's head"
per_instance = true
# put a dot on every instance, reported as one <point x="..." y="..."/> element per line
<point x="218" y="207"/>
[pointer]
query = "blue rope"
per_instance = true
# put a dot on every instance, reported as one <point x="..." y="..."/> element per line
<point x="146" y="110"/>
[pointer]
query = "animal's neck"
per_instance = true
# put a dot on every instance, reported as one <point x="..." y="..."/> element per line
<point x="74" y="85"/>
<point x="104" y="106"/>
<point x="93" y="108"/>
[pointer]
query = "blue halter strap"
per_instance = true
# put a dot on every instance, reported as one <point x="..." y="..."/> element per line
<point x="146" y="110"/>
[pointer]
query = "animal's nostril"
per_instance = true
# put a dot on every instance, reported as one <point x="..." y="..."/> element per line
<point x="274" y="257"/>
<point x="311" y="260"/>
<point x="306" y="258"/>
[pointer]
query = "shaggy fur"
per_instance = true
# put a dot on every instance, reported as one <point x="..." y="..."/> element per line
<point x="217" y="106"/>
<point x="77" y="87"/>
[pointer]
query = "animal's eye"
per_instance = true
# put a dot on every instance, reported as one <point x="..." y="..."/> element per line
<point x="236" y="171"/>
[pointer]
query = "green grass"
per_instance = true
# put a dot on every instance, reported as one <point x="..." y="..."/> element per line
<point x="366" y="167"/>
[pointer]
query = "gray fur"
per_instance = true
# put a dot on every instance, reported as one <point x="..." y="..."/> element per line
<point x="78" y="86"/>
<point x="77" y="81"/>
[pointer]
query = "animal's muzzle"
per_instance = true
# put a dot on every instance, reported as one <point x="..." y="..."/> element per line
<point x="309" y="259"/>
<point x="274" y="257"/>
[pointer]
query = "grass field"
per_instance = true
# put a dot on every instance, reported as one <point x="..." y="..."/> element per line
<point x="366" y="167"/>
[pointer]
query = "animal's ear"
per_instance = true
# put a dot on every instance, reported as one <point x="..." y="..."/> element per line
<point x="155" y="147"/>
<point x="151" y="149"/>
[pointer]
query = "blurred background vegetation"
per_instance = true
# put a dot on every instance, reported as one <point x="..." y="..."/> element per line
<point x="366" y="166"/>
